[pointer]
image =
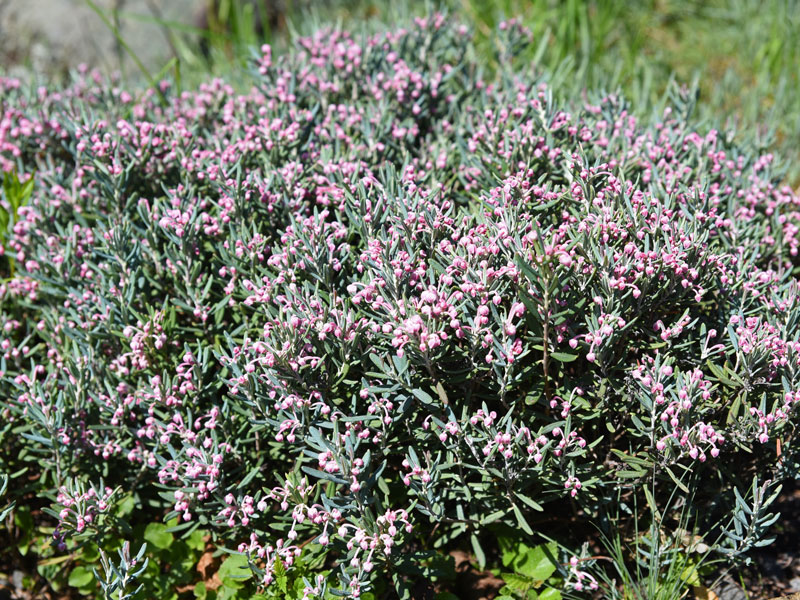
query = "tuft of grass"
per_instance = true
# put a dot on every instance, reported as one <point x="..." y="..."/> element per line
<point x="743" y="55"/>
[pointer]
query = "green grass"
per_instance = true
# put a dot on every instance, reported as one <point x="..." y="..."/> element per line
<point x="743" y="55"/>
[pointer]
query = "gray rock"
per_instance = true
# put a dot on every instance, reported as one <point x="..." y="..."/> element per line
<point x="51" y="36"/>
<point x="728" y="590"/>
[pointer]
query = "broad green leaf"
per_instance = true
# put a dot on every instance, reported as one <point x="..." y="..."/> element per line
<point x="80" y="577"/>
<point x="516" y="582"/>
<point x="550" y="594"/>
<point x="535" y="563"/>
<point x="540" y="566"/>
<point x="235" y="570"/>
<point x="196" y="541"/>
<point x="280" y="576"/>
<point x="200" y="590"/>
<point x="157" y="535"/>
<point x="690" y="575"/>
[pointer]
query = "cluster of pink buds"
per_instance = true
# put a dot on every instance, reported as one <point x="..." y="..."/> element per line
<point x="449" y="430"/>
<point x="572" y="484"/>
<point x="517" y="441"/>
<point x="415" y="471"/>
<point x="566" y="405"/>
<point x="11" y="351"/>
<point x="143" y="339"/>
<point x="268" y="555"/>
<point x="243" y="509"/>
<point x="767" y="421"/>
<point x="200" y="462"/>
<point x="298" y="495"/>
<point x="578" y="579"/>
<point x="382" y="406"/>
<point x="486" y="418"/>
<point x="607" y="324"/>
<point x="501" y="442"/>
<point x="678" y="396"/>
<point x="672" y="331"/>
<point x="80" y="509"/>
<point x="536" y="446"/>
<point x="758" y="337"/>
<point x="566" y="440"/>
<point x="361" y="542"/>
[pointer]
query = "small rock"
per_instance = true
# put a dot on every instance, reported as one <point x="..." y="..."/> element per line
<point x="54" y="35"/>
<point x="16" y="579"/>
<point x="730" y="591"/>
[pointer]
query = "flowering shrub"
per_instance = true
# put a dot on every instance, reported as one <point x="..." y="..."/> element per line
<point x="380" y="305"/>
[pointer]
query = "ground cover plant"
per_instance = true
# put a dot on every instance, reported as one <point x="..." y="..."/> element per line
<point x="381" y="307"/>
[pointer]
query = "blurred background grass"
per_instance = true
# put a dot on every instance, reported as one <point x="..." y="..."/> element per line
<point x="743" y="56"/>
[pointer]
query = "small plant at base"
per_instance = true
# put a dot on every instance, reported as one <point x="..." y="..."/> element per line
<point x="535" y="571"/>
<point x="16" y="195"/>
<point x="117" y="579"/>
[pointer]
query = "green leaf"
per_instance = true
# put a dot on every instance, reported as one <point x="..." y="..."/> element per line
<point x="677" y="481"/>
<point x="690" y="575"/>
<point x="530" y="502"/>
<point x="423" y="396"/>
<point x="523" y="524"/>
<point x="54" y="560"/>
<point x="491" y="518"/>
<point x="540" y="565"/>
<point x="550" y="594"/>
<point x="517" y="583"/>
<point x="158" y="536"/>
<point x="401" y="586"/>
<point x="23" y="519"/>
<point x="195" y="540"/>
<point x="631" y="474"/>
<point x="80" y="577"/>
<point x="200" y="590"/>
<point x="4" y="218"/>
<point x="478" y="550"/>
<point x="535" y="563"/>
<point x="235" y="570"/>
<point x="228" y="592"/>
<point x="280" y="576"/>
<point x="563" y="356"/>
<point x="90" y="554"/>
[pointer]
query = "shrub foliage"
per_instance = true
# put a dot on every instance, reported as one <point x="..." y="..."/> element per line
<point x="383" y="304"/>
